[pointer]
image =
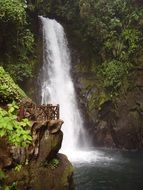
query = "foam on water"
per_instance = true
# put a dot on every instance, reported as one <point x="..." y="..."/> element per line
<point x="86" y="157"/>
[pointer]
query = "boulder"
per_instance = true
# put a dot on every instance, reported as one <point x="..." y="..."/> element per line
<point x="49" y="145"/>
<point x="55" y="125"/>
<point x="37" y="176"/>
<point x="46" y="138"/>
<point x="48" y="178"/>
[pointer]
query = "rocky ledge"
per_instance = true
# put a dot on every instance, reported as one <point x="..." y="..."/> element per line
<point x="39" y="166"/>
<point x="55" y="174"/>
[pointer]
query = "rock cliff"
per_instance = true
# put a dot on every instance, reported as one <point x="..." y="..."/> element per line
<point x="38" y="166"/>
<point x="43" y="170"/>
<point x="115" y="122"/>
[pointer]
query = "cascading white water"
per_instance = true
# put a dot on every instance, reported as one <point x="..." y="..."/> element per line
<point x="57" y="88"/>
<point x="57" y="85"/>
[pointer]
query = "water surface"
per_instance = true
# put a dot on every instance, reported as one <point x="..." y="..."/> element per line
<point x="111" y="170"/>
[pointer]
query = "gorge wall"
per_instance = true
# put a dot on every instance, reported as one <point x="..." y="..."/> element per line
<point x="107" y="66"/>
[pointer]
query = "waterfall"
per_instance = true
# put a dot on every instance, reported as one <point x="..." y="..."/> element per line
<point x="57" y="86"/>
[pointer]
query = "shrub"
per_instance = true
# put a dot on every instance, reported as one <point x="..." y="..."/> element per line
<point x="15" y="131"/>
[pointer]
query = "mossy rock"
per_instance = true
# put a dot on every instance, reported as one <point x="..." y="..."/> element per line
<point x="9" y="91"/>
<point x="66" y="175"/>
<point x="44" y="177"/>
<point x="57" y="178"/>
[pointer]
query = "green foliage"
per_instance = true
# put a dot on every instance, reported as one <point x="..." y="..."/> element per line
<point x="131" y="37"/>
<point x="21" y="63"/>
<point x="63" y="9"/>
<point x="13" y="11"/>
<point x="54" y="163"/>
<point x="15" y="131"/>
<point x="17" y="47"/>
<point x="113" y="74"/>
<point x="8" y="89"/>
<point x="18" y="168"/>
<point x="2" y="175"/>
<point x="11" y="187"/>
<point x="116" y="35"/>
<point x="26" y="40"/>
<point x="3" y="185"/>
<point x="110" y="33"/>
<point x="117" y="29"/>
<point x="20" y="71"/>
<point x="23" y="67"/>
<point x="2" y="178"/>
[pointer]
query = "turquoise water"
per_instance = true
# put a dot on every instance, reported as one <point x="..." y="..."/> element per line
<point x="114" y="170"/>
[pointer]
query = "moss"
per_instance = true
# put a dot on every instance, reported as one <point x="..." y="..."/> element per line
<point x="94" y="93"/>
<point x="67" y="172"/>
<point x="9" y="91"/>
<point x="135" y="119"/>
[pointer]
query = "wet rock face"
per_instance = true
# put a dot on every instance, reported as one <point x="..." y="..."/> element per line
<point x="119" y="122"/>
<point x="121" y="126"/>
<point x="47" y="138"/>
<point x="49" y="145"/>
<point x="103" y="136"/>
